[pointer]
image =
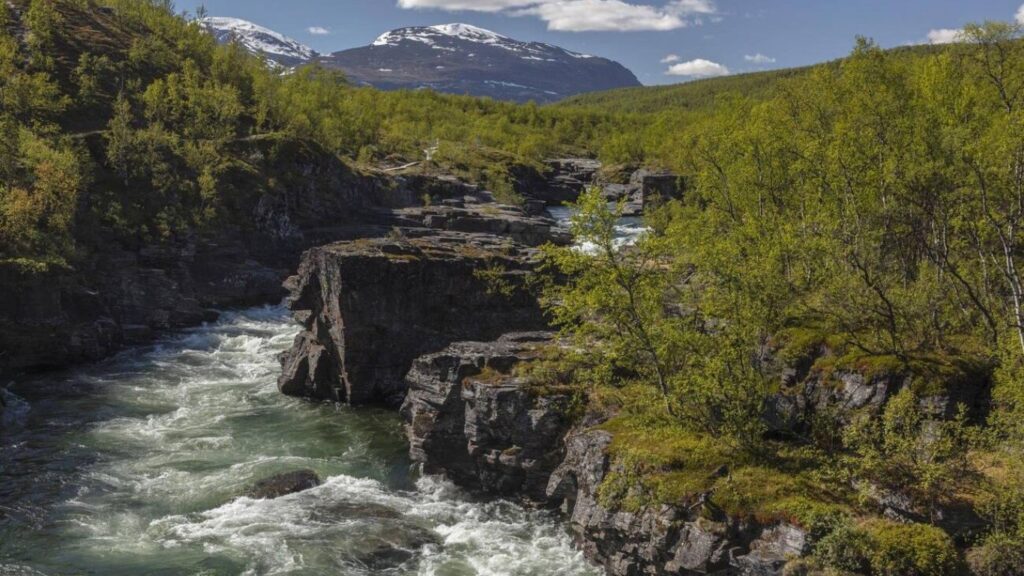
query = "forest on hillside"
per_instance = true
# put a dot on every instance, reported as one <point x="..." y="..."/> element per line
<point x="138" y="109"/>
<point x="859" y="223"/>
<point x="858" y="219"/>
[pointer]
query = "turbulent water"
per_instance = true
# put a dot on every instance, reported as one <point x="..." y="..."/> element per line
<point x="628" y="229"/>
<point x="135" y="466"/>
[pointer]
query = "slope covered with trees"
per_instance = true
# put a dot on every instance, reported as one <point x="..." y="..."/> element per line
<point x="828" y="329"/>
<point x="121" y="119"/>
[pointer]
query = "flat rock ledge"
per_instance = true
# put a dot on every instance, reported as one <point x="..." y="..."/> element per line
<point x="370" y="307"/>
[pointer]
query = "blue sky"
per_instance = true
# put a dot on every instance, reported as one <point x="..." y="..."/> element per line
<point x="662" y="41"/>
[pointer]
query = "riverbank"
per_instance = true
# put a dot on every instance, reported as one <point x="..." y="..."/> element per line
<point x="136" y="465"/>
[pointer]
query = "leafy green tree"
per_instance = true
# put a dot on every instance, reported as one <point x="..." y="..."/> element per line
<point x="120" y="137"/>
<point x="907" y="452"/>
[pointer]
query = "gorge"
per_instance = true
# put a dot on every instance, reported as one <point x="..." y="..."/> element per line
<point x="259" y="318"/>
<point x="147" y="456"/>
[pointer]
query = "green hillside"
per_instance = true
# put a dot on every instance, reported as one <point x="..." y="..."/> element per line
<point x="702" y="94"/>
<point x="121" y="121"/>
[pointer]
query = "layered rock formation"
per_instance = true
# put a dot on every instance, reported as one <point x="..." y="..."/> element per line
<point x="456" y="215"/>
<point x="370" y="307"/>
<point x="472" y="418"/>
<point x="565" y="180"/>
<point x="641" y="189"/>
<point x="120" y="294"/>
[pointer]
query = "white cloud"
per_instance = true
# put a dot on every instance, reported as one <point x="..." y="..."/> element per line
<point x="699" y="68"/>
<point x="584" y="15"/>
<point x="474" y="5"/>
<point x="604" y="15"/>
<point x="670" y="59"/>
<point x="1020" y="15"/>
<point x="759" y="58"/>
<point x="687" y="7"/>
<point x="318" y="30"/>
<point x="945" y="36"/>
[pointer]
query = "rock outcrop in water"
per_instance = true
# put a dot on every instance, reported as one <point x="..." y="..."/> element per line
<point x="284" y="484"/>
<point x="370" y="307"/>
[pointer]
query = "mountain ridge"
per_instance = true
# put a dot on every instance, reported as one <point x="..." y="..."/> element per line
<point x="273" y="46"/>
<point x="454" y="58"/>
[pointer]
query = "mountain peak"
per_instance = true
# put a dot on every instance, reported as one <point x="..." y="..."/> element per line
<point x="469" y="32"/>
<point x="265" y="42"/>
<point x="429" y="34"/>
<point x="456" y="58"/>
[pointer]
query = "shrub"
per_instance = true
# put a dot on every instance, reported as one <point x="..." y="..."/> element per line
<point x="846" y="549"/>
<point x="882" y="547"/>
<point x="998" y="555"/>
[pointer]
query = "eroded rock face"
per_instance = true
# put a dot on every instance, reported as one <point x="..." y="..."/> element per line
<point x="665" y="540"/>
<point x="639" y="189"/>
<point x="565" y="180"/>
<point x="456" y="215"/>
<point x="470" y="417"/>
<point x="370" y="307"/>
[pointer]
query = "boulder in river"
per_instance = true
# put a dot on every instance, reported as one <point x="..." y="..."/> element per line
<point x="284" y="484"/>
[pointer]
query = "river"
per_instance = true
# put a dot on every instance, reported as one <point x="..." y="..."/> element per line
<point x="134" y="466"/>
<point x="628" y="229"/>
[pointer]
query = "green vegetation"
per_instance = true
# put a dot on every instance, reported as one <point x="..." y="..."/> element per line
<point x="861" y="221"/>
<point x="125" y="122"/>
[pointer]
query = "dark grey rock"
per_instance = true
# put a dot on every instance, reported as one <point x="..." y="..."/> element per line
<point x="284" y="484"/>
<point x="371" y="307"/>
<point x="656" y="187"/>
<point x="469" y="417"/>
<point x="770" y="552"/>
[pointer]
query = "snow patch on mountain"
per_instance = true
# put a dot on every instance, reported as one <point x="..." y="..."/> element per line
<point x="259" y="40"/>
<point x="431" y="35"/>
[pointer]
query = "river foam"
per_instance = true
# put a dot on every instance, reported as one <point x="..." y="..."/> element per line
<point x="135" y="466"/>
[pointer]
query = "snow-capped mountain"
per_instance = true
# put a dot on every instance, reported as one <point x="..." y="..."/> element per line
<point x="451" y="58"/>
<point x="275" y="47"/>
<point x="465" y="59"/>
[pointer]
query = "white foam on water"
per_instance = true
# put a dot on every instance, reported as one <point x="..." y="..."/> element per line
<point x="195" y="420"/>
<point x="628" y="231"/>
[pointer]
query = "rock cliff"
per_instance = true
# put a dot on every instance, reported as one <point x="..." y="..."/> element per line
<point x="370" y="307"/>
<point x="471" y="418"/>
<point x="468" y="415"/>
